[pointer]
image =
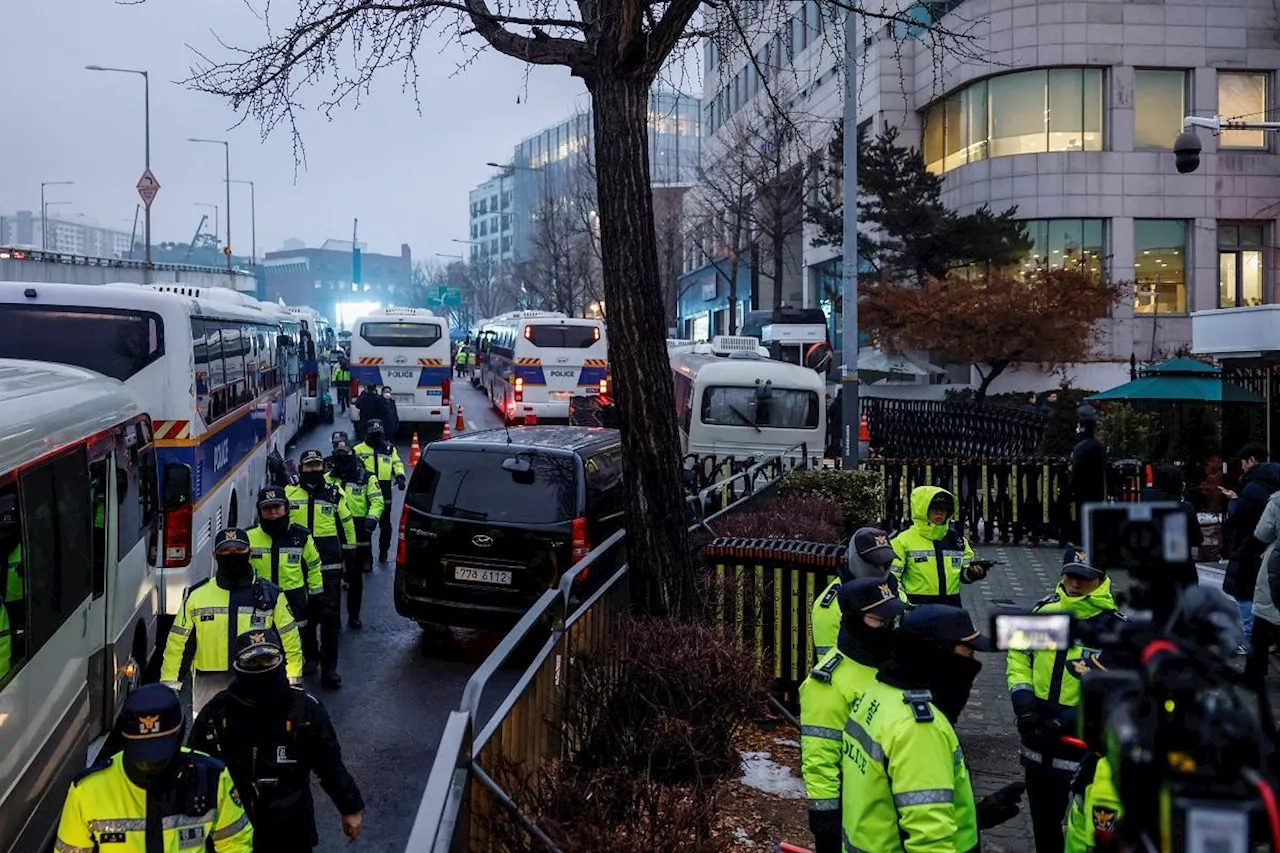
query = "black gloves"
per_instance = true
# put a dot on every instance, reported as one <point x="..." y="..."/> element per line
<point x="400" y="482"/>
<point x="370" y="524"/>
<point x="1000" y="806"/>
<point x="1031" y="727"/>
<point x="826" y="829"/>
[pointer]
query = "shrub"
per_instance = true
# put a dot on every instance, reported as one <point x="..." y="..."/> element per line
<point x="858" y="493"/>
<point x="809" y="519"/>
<point x="1127" y="433"/>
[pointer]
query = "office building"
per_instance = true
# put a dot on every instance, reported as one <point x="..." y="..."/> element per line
<point x="325" y="277"/>
<point x="71" y="235"/>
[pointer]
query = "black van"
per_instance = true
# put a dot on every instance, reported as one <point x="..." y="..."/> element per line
<point x="492" y="519"/>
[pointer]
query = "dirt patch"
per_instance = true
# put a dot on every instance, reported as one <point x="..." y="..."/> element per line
<point x="750" y="819"/>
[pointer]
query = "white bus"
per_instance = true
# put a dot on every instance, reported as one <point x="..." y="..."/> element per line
<point x="732" y="401"/>
<point x="316" y="340"/>
<point x="204" y="364"/>
<point x="291" y="405"/>
<point x="535" y="362"/>
<point x="406" y="350"/>
<point x="78" y="511"/>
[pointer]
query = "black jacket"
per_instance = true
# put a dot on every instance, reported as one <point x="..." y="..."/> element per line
<point x="1153" y="494"/>
<point x="1088" y="482"/>
<point x="271" y="753"/>
<point x="1244" y="553"/>
<point x="371" y="408"/>
<point x="390" y="418"/>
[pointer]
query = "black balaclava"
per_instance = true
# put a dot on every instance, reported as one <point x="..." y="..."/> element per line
<point x="311" y="480"/>
<point x="375" y="437"/>
<point x="262" y="687"/>
<point x="344" y="465"/>
<point x="234" y="570"/>
<point x="274" y="526"/>
<point x="860" y="642"/>
<point x="921" y="665"/>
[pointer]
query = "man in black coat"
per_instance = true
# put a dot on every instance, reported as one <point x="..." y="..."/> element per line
<point x="1244" y="553"/>
<point x="272" y="737"/>
<point x="1088" y="477"/>
<point x="370" y="406"/>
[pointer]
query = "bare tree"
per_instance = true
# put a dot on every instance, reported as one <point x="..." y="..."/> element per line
<point x="486" y="285"/>
<point x="617" y="48"/>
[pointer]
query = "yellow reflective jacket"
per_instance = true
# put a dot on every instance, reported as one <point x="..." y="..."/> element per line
<point x="13" y="585"/>
<point x="289" y="561"/>
<point x="824" y="619"/>
<point x="906" y="788"/>
<point x="364" y="498"/>
<point x="327" y="515"/>
<point x="205" y="619"/>
<point x="1094" y="806"/>
<point x="932" y="559"/>
<point x="104" y="811"/>
<point x="385" y="467"/>
<point x="825" y="697"/>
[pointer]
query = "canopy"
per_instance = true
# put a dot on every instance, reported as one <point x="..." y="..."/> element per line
<point x="1181" y="380"/>
<point x="872" y="360"/>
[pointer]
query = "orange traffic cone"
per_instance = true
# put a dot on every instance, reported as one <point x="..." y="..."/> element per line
<point x="447" y="434"/>
<point x="864" y="428"/>
<point x="415" y="450"/>
<point x="461" y="425"/>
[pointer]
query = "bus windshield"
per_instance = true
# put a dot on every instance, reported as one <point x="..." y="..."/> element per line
<point x="407" y="335"/>
<point x="114" y="343"/>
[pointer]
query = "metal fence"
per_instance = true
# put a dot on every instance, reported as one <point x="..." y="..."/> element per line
<point x="37" y="255"/>
<point x="907" y="429"/>
<point x="579" y="619"/>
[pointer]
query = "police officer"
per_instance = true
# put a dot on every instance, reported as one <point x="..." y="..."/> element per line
<point x="870" y="556"/>
<point x="13" y="610"/>
<point x="364" y="499"/>
<point x="342" y="382"/>
<point x="382" y="460"/>
<point x="1045" y="690"/>
<point x="284" y="553"/>
<point x="1094" y="812"/>
<point x="316" y="505"/>
<point x="369" y="407"/>
<point x="905" y="783"/>
<point x="272" y="738"/>
<point x="154" y="795"/>
<point x="870" y="611"/>
<point x="932" y="558"/>
<point x="217" y="610"/>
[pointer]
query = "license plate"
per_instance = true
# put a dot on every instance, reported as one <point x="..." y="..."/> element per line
<point x="402" y="398"/>
<point x="494" y="576"/>
<point x="561" y="396"/>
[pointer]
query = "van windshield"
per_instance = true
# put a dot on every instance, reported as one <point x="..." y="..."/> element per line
<point x="737" y="405"/>
<point x="565" y="337"/>
<point x="473" y="486"/>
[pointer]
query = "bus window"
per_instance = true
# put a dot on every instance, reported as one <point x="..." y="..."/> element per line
<point x="98" y="499"/>
<point x="13" y="610"/>
<point x="57" y="559"/>
<point x="563" y="337"/>
<point x="113" y="342"/>
<point x="135" y="486"/>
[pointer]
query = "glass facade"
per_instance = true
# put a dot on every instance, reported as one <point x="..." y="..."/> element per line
<point x="1242" y="96"/>
<point x="1159" y="105"/>
<point x="1065" y="244"/>
<point x="1241" y="271"/>
<point x="1159" y="266"/>
<point x="1057" y="109"/>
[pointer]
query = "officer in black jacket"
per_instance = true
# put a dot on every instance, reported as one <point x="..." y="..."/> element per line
<point x="272" y="737"/>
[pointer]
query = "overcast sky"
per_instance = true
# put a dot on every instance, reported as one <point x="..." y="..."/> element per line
<point x="405" y="176"/>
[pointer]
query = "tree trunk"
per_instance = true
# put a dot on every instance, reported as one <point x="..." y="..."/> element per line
<point x="661" y="567"/>
<point x="735" y="264"/>
<point x="997" y="368"/>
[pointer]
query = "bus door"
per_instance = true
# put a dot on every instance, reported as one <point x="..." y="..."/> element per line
<point x="102" y="512"/>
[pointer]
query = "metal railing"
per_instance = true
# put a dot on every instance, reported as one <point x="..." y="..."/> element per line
<point x="722" y="481"/>
<point x="583" y="616"/>
<point x="19" y="254"/>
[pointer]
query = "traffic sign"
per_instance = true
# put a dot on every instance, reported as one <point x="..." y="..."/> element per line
<point x="226" y="250"/>
<point x="148" y="186"/>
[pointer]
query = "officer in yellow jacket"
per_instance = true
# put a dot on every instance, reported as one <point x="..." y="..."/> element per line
<point x="285" y="553"/>
<point x="906" y="787"/>
<point x="1094" y="812"/>
<point x="154" y="796"/>
<point x="871" y="612"/>
<point x="869" y="556"/>
<point x="216" y="611"/>
<point x="382" y="460"/>
<point x="933" y="559"/>
<point x="12" y="589"/>
<point x="364" y="499"/>
<point x="321" y="508"/>
<point x="1045" y="690"/>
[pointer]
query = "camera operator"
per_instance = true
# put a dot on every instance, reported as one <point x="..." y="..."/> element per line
<point x="1045" y="690"/>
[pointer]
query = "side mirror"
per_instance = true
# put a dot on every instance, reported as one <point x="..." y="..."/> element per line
<point x="1186" y="152"/>
<point x="516" y="465"/>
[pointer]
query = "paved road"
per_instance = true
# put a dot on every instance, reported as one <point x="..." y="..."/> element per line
<point x="396" y="693"/>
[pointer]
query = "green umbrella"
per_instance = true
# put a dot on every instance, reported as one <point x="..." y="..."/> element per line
<point x="1184" y="380"/>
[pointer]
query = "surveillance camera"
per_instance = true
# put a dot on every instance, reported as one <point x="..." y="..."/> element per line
<point x="1186" y="152"/>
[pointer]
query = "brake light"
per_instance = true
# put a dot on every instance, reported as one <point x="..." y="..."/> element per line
<point x="604" y="389"/>
<point x="445" y="389"/>
<point x="311" y="385"/>
<point x="581" y="545"/>
<point x="519" y="389"/>
<point x="528" y="333"/>
<point x="401" y="548"/>
<point x="354" y="390"/>
<point x="177" y="536"/>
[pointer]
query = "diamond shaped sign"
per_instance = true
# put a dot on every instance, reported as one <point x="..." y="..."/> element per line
<point x="148" y="186"/>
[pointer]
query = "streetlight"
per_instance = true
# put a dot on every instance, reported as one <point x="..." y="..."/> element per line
<point x="43" y="217"/>
<point x="146" y="119"/>
<point x="44" y="208"/>
<point x="226" y="146"/>
<point x="215" y="216"/>
<point x="455" y="257"/>
<point x="253" y="220"/>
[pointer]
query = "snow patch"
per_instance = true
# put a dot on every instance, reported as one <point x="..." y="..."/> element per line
<point x="782" y="741"/>
<point x="764" y="775"/>
<point x="741" y="835"/>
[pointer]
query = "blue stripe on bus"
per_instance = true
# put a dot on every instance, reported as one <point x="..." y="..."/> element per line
<point x="532" y="375"/>
<point x="433" y="377"/>
<point x="592" y="375"/>
<point x="366" y="375"/>
<point x="215" y="456"/>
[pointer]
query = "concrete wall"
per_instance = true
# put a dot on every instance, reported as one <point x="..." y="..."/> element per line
<point x="74" y="273"/>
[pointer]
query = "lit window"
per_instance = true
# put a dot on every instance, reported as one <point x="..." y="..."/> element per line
<point x="1240" y="266"/>
<point x="1159" y="266"/>
<point x="1058" y="244"/>
<point x="1159" y="105"/>
<point x="1242" y="97"/>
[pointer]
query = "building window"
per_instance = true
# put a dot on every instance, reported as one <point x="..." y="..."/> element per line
<point x="1065" y="244"/>
<point x="1159" y="266"/>
<point x="1159" y="105"/>
<point x="1242" y="96"/>
<point x="1240" y="266"/>
<point x="1058" y="109"/>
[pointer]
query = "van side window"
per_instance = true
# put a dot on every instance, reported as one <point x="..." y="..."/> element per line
<point x="101" y="515"/>
<point x="57" y="553"/>
<point x="604" y="484"/>
<point x="13" y="592"/>
<point x="135" y="485"/>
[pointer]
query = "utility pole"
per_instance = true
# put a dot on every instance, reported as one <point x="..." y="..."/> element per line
<point x="850" y="408"/>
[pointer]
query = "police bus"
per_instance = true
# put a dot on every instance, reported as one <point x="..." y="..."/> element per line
<point x="406" y="350"/>
<point x="535" y="362"/>
<point x="316" y="339"/>
<point x="78" y="513"/>
<point x="291" y="391"/>
<point x="207" y="364"/>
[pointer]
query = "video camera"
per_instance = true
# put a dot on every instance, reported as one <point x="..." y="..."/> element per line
<point x="1167" y="710"/>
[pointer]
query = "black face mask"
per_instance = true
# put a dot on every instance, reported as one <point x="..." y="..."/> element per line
<point x="151" y="774"/>
<point x="375" y="439"/>
<point x="951" y="683"/>
<point x="864" y="644"/>
<point x="311" y="479"/>
<point x="261" y="687"/>
<point x="234" y="571"/>
<point x="275" y="526"/>
<point x="344" y="465"/>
